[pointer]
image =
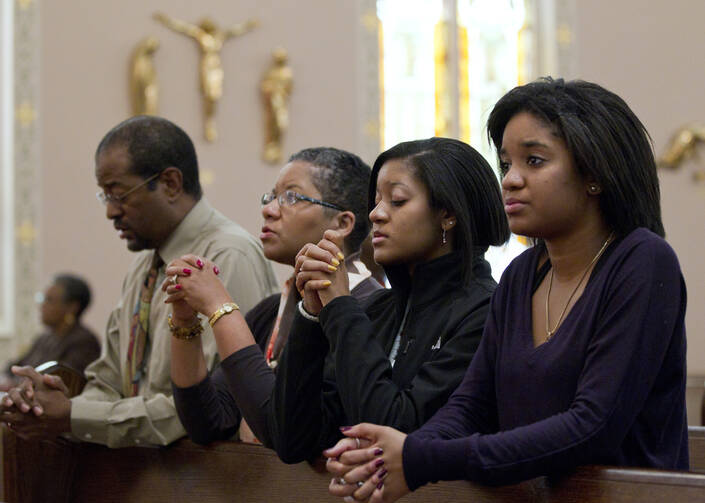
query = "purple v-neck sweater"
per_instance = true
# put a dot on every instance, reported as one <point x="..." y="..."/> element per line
<point x="608" y="388"/>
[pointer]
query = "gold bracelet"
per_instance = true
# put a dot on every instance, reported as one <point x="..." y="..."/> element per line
<point x="186" y="332"/>
<point x="226" y="308"/>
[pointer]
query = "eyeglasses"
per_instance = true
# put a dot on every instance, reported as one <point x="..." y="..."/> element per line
<point x="112" y="198"/>
<point x="290" y="198"/>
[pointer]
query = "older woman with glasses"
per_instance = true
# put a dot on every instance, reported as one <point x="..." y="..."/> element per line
<point x="319" y="189"/>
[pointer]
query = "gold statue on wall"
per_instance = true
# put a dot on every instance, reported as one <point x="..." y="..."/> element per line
<point x="210" y="40"/>
<point x="682" y="146"/>
<point x="276" y="88"/>
<point x="144" y="90"/>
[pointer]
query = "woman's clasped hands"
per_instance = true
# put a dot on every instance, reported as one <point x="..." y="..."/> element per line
<point x="320" y="272"/>
<point x="367" y="464"/>
<point x="193" y="287"/>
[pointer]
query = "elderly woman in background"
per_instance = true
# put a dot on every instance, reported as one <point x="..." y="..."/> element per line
<point x="67" y="340"/>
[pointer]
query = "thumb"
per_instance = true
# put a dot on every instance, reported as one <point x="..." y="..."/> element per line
<point x="55" y="382"/>
<point x="363" y="430"/>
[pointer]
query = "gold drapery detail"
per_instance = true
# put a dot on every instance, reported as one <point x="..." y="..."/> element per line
<point x="443" y="99"/>
<point x="463" y="85"/>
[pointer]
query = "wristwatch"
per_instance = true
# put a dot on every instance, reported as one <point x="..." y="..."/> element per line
<point x="226" y="308"/>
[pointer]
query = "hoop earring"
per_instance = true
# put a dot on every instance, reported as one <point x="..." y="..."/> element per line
<point x="443" y="238"/>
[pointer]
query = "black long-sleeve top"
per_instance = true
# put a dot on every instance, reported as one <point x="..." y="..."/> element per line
<point x="339" y="373"/>
<point x="607" y="388"/>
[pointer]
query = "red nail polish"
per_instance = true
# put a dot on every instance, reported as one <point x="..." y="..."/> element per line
<point x="380" y="485"/>
<point x="382" y="473"/>
<point x="378" y="451"/>
<point x="187" y="270"/>
<point x="216" y="270"/>
<point x="379" y="462"/>
<point x="177" y="286"/>
<point x="345" y="428"/>
<point x="199" y="263"/>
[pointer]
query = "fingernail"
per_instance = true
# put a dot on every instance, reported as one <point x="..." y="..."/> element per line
<point x="380" y="485"/>
<point x="216" y="270"/>
<point x="187" y="270"/>
<point x="378" y="451"/>
<point x="382" y="473"/>
<point x="335" y="262"/>
<point x="37" y="410"/>
<point x="199" y="263"/>
<point x="345" y="428"/>
<point x="24" y="407"/>
<point x="326" y="283"/>
<point x="332" y="268"/>
<point x="379" y="462"/>
<point x="177" y="286"/>
<point x="341" y="256"/>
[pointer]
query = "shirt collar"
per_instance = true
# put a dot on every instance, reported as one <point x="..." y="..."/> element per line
<point x="181" y="241"/>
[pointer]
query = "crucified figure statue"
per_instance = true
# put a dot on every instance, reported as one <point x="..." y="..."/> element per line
<point x="210" y="39"/>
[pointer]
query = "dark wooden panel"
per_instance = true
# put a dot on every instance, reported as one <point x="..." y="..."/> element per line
<point x="696" y="444"/>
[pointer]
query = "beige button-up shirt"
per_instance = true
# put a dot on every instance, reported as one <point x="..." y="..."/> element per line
<point x="101" y="413"/>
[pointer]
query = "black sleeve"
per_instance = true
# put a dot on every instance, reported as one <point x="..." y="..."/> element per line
<point x="363" y="372"/>
<point x="251" y="381"/>
<point x="295" y="409"/>
<point x="207" y="409"/>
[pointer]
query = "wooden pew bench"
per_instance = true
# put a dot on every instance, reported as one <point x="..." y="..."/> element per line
<point x="231" y="471"/>
<point x="61" y="471"/>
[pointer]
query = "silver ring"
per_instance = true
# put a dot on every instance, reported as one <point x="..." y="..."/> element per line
<point x="360" y="484"/>
<point x="358" y="442"/>
<point x="340" y="481"/>
<point x="174" y="279"/>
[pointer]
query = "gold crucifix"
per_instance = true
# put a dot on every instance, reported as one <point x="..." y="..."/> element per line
<point x="210" y="40"/>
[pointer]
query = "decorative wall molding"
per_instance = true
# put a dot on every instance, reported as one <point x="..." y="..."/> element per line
<point x="21" y="271"/>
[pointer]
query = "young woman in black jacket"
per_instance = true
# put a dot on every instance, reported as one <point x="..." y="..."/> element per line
<point x="395" y="358"/>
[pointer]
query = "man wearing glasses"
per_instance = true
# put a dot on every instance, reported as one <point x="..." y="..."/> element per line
<point x="147" y="171"/>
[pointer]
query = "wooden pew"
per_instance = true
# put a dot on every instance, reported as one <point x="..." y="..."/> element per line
<point x="696" y="444"/>
<point x="232" y="471"/>
<point x="62" y="471"/>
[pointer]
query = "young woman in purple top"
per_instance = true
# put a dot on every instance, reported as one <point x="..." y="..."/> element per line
<point x="582" y="359"/>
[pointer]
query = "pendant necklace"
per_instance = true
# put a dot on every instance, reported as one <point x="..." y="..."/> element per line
<point x="549" y="332"/>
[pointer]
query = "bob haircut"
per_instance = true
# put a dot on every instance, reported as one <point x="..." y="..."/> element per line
<point x="460" y="181"/>
<point x="608" y="143"/>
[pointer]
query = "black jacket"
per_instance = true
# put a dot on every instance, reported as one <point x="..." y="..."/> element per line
<point x="338" y="372"/>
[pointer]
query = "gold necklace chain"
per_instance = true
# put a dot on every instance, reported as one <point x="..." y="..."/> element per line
<point x="549" y="332"/>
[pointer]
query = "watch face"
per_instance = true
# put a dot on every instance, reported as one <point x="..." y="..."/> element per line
<point x="228" y="309"/>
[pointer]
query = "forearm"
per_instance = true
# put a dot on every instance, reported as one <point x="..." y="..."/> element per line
<point x="188" y="365"/>
<point x="126" y="422"/>
<point x="232" y="334"/>
<point x="207" y="409"/>
<point x="251" y="382"/>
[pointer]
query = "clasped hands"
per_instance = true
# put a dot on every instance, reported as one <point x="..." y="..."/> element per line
<point x="192" y="286"/>
<point x="320" y="272"/>
<point x="367" y="464"/>
<point x="38" y="407"/>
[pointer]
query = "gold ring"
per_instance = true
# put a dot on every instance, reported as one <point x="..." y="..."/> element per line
<point x="174" y="279"/>
<point x="358" y="442"/>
